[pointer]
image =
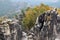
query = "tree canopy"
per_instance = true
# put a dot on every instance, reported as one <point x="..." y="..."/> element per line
<point x="32" y="13"/>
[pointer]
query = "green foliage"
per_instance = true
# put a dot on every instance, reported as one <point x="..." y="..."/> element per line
<point x="31" y="15"/>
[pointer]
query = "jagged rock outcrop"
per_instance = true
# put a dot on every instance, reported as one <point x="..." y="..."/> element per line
<point x="11" y="29"/>
<point x="47" y="25"/>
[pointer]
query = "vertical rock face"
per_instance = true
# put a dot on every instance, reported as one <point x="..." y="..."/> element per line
<point x="47" y="28"/>
<point x="1" y="33"/>
<point x="16" y="31"/>
<point x="58" y="26"/>
<point x="50" y="28"/>
<point x="11" y="30"/>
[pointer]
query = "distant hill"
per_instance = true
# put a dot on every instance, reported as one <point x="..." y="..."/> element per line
<point x="8" y="7"/>
<point x="11" y="7"/>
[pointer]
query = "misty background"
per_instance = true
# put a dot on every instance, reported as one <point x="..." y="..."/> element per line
<point x="11" y="7"/>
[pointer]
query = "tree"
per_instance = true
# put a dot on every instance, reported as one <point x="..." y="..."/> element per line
<point x="32" y="13"/>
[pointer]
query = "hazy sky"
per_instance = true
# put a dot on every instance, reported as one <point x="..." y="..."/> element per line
<point x="36" y="2"/>
<point x="11" y="5"/>
<point x="54" y="3"/>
